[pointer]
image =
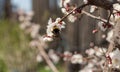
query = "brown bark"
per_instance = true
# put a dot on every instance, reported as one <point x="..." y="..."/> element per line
<point x="7" y="9"/>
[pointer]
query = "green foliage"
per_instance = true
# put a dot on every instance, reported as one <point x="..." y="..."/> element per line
<point x="15" y="54"/>
<point x="14" y="49"/>
<point x="42" y="67"/>
<point x="3" y="67"/>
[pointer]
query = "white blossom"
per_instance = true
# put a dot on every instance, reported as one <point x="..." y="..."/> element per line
<point x="72" y="18"/>
<point x="47" y="38"/>
<point x="28" y="18"/>
<point x="64" y="11"/>
<point x="103" y="36"/>
<point x="67" y="56"/>
<point x="110" y="36"/>
<point x="52" y="25"/>
<point x="116" y="6"/>
<point x="115" y="17"/>
<point x="90" y="51"/>
<point x="66" y="2"/>
<point x="115" y="56"/>
<point x="77" y="59"/>
<point x="100" y="25"/>
<point x="21" y="18"/>
<point x="39" y="58"/>
<point x="100" y="51"/>
<point x="63" y="3"/>
<point x="85" y="1"/>
<point x="87" y="68"/>
<point x="35" y="30"/>
<point x="55" y="58"/>
<point x="25" y="24"/>
<point x="92" y="8"/>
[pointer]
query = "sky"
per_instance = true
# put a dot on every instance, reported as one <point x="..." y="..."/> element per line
<point x="23" y="4"/>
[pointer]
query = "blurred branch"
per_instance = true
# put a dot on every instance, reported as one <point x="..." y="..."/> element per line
<point x="88" y="14"/>
<point x="46" y="58"/>
<point x="95" y="17"/>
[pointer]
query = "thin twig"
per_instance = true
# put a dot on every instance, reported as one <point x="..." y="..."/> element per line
<point x="67" y="15"/>
<point x="46" y="58"/>
<point x="88" y="14"/>
<point x="95" y="17"/>
<point x="110" y="48"/>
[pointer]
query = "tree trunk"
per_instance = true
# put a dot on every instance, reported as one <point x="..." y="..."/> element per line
<point x="7" y="9"/>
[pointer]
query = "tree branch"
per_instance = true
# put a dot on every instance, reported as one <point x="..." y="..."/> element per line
<point x="46" y="58"/>
<point x="88" y="14"/>
<point x="95" y="17"/>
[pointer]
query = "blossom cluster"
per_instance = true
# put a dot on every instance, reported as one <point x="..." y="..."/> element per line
<point x="95" y="57"/>
<point x="115" y="56"/>
<point x="32" y="29"/>
<point x="75" y="58"/>
<point x="26" y="24"/>
<point x="66" y="7"/>
<point x="116" y="12"/>
<point x="54" y="28"/>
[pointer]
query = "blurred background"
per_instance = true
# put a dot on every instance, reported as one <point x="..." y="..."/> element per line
<point x="15" y="53"/>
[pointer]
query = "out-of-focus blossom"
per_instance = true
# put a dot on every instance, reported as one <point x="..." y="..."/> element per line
<point x="110" y="36"/>
<point x="67" y="56"/>
<point x="66" y="3"/>
<point x="35" y="30"/>
<point x="88" y="68"/>
<point x="97" y="59"/>
<point x="93" y="8"/>
<point x="101" y="26"/>
<point x="64" y="11"/>
<point x="77" y="59"/>
<point x="30" y="13"/>
<point x="55" y="58"/>
<point x="90" y="51"/>
<point x="116" y="16"/>
<point x="92" y="44"/>
<point x="21" y="18"/>
<point x="72" y="18"/>
<point x="47" y="38"/>
<point x="20" y="12"/>
<point x="85" y="1"/>
<point x="33" y="43"/>
<point x="100" y="51"/>
<point x="25" y="24"/>
<point x="67" y="8"/>
<point x="29" y="16"/>
<point x="115" y="56"/>
<point x="116" y="6"/>
<point x="103" y="36"/>
<point x="39" y="58"/>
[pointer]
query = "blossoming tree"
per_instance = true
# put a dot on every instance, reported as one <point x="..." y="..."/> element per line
<point x="72" y="12"/>
<point x="96" y="58"/>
